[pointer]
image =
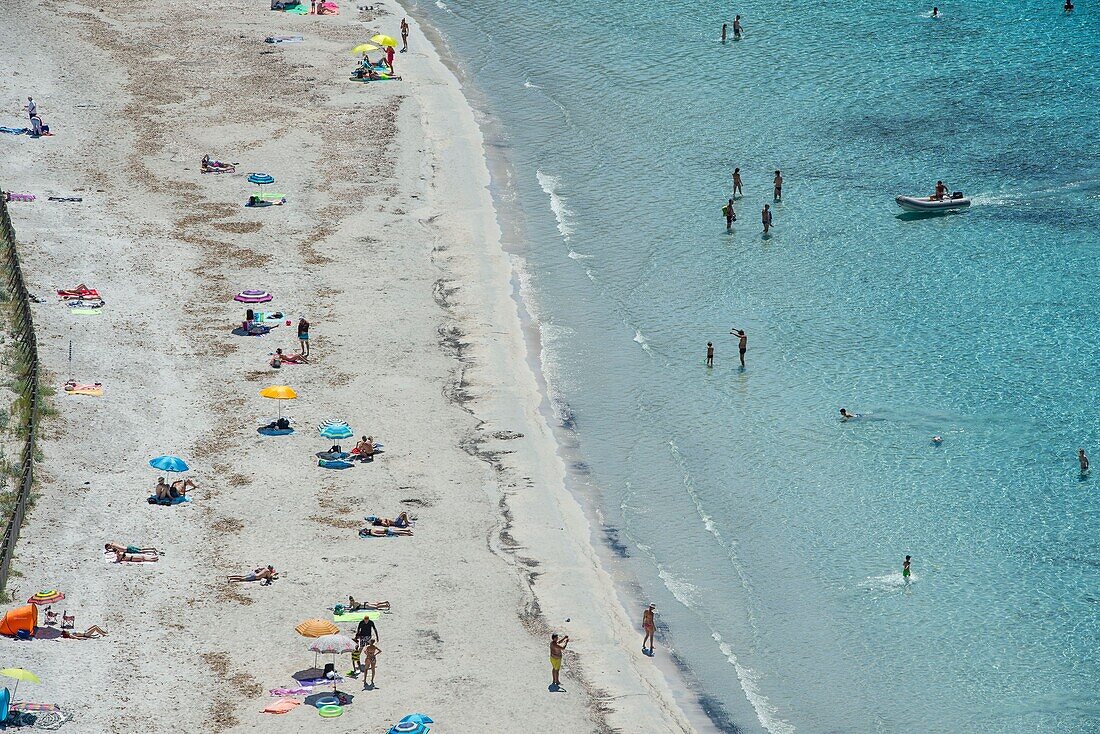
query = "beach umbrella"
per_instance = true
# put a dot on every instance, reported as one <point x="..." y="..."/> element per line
<point x="280" y="393"/>
<point x="336" y="432"/>
<point x="169" y="463"/>
<point x="46" y="597"/>
<point x="253" y="296"/>
<point x="316" y="628"/>
<point x="409" y="727"/>
<point x="363" y="48"/>
<point x="418" y="719"/>
<point x="19" y="674"/>
<point x="261" y="180"/>
<point x="382" y="40"/>
<point x="333" y="645"/>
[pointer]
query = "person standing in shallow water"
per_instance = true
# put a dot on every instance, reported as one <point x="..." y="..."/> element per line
<point x="737" y="28"/>
<point x="710" y="354"/>
<point x="766" y="218"/>
<point x="905" y="570"/>
<point x="649" y="626"/>
<point x="742" y="344"/>
<point x="737" y="183"/>
<point x="724" y="32"/>
<point x="303" y="335"/>
<point x="777" y="194"/>
<point x="731" y="216"/>
<point x="1083" y="460"/>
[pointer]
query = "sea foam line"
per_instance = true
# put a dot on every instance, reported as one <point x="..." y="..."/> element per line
<point x="562" y="213"/>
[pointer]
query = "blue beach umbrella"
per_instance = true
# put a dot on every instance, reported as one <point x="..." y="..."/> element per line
<point x="336" y="431"/>
<point x="418" y="719"/>
<point x="409" y="727"/>
<point x="261" y="179"/>
<point x="169" y="463"/>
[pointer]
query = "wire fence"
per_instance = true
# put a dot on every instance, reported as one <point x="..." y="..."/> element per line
<point x="26" y="385"/>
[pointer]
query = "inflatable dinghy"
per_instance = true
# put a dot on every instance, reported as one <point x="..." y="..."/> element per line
<point x="924" y="204"/>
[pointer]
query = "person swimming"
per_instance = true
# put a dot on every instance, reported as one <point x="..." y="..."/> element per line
<point x="846" y="416"/>
<point x="937" y="440"/>
<point x="935" y="12"/>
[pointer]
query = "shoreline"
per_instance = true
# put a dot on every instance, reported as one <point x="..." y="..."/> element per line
<point x="689" y="697"/>
<point x="118" y="240"/>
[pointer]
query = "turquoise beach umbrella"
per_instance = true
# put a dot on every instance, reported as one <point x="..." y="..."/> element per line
<point x="169" y="463"/>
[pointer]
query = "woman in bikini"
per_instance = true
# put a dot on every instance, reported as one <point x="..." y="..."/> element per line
<point x="89" y="634"/>
<point x="263" y="575"/>
<point x="383" y="532"/>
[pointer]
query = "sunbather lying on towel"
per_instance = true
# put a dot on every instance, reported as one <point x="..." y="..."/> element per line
<point x="72" y="385"/>
<point x="89" y="634"/>
<point x="264" y="575"/>
<point x="356" y="606"/>
<point x="375" y="532"/>
<point x="119" y="548"/>
<point x="402" y="521"/>
<point x="81" y="292"/>
<point x="209" y="166"/>
<point x="124" y="557"/>
<point x="368" y="73"/>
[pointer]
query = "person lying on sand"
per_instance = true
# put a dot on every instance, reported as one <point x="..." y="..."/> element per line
<point x="209" y="166"/>
<point x="264" y="575"/>
<point x="356" y="606"/>
<point x="402" y="521"/>
<point x="122" y="556"/>
<point x="89" y="634"/>
<point x="382" y="532"/>
<point x="119" y="548"/>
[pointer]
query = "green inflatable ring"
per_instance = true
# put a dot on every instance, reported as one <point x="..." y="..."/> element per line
<point x="330" y="711"/>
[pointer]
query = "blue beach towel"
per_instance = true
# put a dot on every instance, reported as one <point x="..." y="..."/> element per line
<point x="334" y="464"/>
<point x="174" y="501"/>
<point x="265" y="431"/>
<point x="14" y="130"/>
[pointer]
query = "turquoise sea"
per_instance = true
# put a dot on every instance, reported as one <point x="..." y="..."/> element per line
<point x="769" y="533"/>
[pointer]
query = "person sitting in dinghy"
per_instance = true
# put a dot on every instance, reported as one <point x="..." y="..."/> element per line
<point x="941" y="192"/>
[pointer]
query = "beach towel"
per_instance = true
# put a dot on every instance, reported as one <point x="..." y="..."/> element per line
<point x="265" y="431"/>
<point x="28" y="706"/>
<point x="14" y="130"/>
<point x="281" y="706"/>
<point x="381" y="78"/>
<point x="284" y="39"/>
<point x="334" y="464"/>
<point x="95" y="390"/>
<point x="174" y="501"/>
<point x="10" y="196"/>
<point x="320" y="681"/>
<point x="86" y="311"/>
<point x="357" y="616"/>
<point x="296" y="691"/>
<point x="66" y="198"/>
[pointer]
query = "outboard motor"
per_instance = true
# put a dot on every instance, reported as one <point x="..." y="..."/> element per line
<point x="957" y="195"/>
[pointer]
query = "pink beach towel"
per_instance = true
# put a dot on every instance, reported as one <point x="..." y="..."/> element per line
<point x="281" y="706"/>
<point x="299" y="691"/>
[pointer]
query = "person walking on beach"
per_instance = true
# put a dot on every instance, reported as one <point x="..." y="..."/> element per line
<point x="649" y="627"/>
<point x="1083" y="460"/>
<point x="404" y="35"/>
<point x="777" y="194"/>
<point x="766" y="218"/>
<point x="737" y="183"/>
<point x="742" y="344"/>
<point x="905" y="570"/>
<point x="370" y="662"/>
<point x="724" y="33"/>
<point x="710" y="354"/>
<point x="389" y="58"/>
<point x="303" y="335"/>
<point x="557" y="648"/>
<point x="31" y="107"/>
<point x="731" y="216"/>
<point x="366" y="631"/>
<point x="737" y="28"/>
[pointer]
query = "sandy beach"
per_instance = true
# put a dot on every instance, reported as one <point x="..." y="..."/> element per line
<point x="389" y="244"/>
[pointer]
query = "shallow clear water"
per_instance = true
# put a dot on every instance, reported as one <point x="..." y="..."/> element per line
<point x="771" y="534"/>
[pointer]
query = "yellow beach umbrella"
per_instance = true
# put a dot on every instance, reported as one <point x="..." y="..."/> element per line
<point x="316" y="628"/>
<point x="363" y="48"/>
<point x="279" y="392"/>
<point x="384" y="40"/>
<point x="19" y="674"/>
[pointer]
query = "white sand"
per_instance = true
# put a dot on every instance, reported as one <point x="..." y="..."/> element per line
<point x="389" y="245"/>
